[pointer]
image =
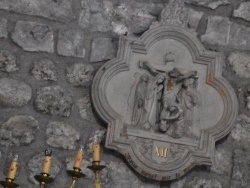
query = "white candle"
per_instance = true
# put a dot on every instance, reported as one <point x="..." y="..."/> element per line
<point x="46" y="162"/>
<point x="96" y="152"/>
<point x="78" y="158"/>
<point x="12" y="168"/>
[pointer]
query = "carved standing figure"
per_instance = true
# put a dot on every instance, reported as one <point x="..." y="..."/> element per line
<point x="189" y="98"/>
<point x="247" y="97"/>
<point x="154" y="99"/>
<point x="140" y="113"/>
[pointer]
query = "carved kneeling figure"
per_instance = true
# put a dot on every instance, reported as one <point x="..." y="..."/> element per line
<point x="172" y="121"/>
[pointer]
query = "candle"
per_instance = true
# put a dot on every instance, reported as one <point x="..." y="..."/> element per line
<point x="78" y="158"/>
<point x="47" y="162"/>
<point x="96" y="152"/>
<point x="12" y="168"/>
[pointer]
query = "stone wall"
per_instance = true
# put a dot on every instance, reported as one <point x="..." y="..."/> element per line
<point x="49" y="53"/>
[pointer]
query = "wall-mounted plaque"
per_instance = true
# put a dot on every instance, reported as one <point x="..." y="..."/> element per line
<point x="165" y="102"/>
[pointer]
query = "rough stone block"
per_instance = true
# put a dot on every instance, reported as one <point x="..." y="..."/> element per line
<point x="102" y="49"/>
<point x="140" y="23"/>
<point x="84" y="18"/>
<point x="54" y="100"/>
<point x="223" y="161"/>
<point x="239" y="37"/>
<point x="18" y="130"/>
<point x="80" y="74"/>
<point x="14" y="93"/>
<point x="121" y="18"/>
<point x="213" y="4"/>
<point x="134" y="17"/>
<point x="119" y="175"/>
<point x="243" y="11"/>
<point x="44" y="69"/>
<point x="34" y="37"/>
<point x="198" y="182"/>
<point x="71" y="43"/>
<point x="194" y="18"/>
<point x="61" y="135"/>
<point x="241" y="132"/>
<point x="240" y="63"/>
<point x="218" y="30"/>
<point x="7" y="61"/>
<point x="100" y="22"/>
<point x="84" y="104"/>
<point x="60" y="10"/>
<point x="178" y="183"/>
<point x="241" y="169"/>
<point x="3" y="28"/>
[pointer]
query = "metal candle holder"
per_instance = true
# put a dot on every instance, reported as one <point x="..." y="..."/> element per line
<point x="75" y="174"/>
<point x="96" y="168"/>
<point x="43" y="179"/>
<point x="8" y="183"/>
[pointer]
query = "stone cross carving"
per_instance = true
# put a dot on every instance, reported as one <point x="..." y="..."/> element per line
<point x="165" y="102"/>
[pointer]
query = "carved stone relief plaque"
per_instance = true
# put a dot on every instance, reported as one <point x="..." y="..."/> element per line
<point x="165" y="102"/>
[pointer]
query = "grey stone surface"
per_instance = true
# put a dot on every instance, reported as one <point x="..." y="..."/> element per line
<point x="18" y="130"/>
<point x="33" y="36"/>
<point x="100" y="22"/>
<point x="3" y="28"/>
<point x="102" y="49"/>
<point x="194" y="18"/>
<point x="7" y="61"/>
<point x="84" y="18"/>
<point x="213" y="4"/>
<point x="241" y="131"/>
<point x="71" y="43"/>
<point x="118" y="175"/>
<point x="178" y="183"/>
<point x="247" y="97"/>
<point x="198" y="182"/>
<point x="239" y="37"/>
<point x="54" y="100"/>
<point x="218" y="30"/>
<point x="243" y="11"/>
<point x="240" y="63"/>
<point x="44" y="69"/>
<point x="241" y="169"/>
<point x="91" y="14"/>
<point x="222" y="161"/>
<point x="135" y="16"/>
<point x="99" y="135"/>
<point x="14" y="93"/>
<point x="60" y="10"/>
<point x="85" y="163"/>
<point x="80" y="74"/>
<point x="61" y="135"/>
<point x="34" y="167"/>
<point x="113" y="17"/>
<point x="83" y="105"/>
<point x="121" y="18"/>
